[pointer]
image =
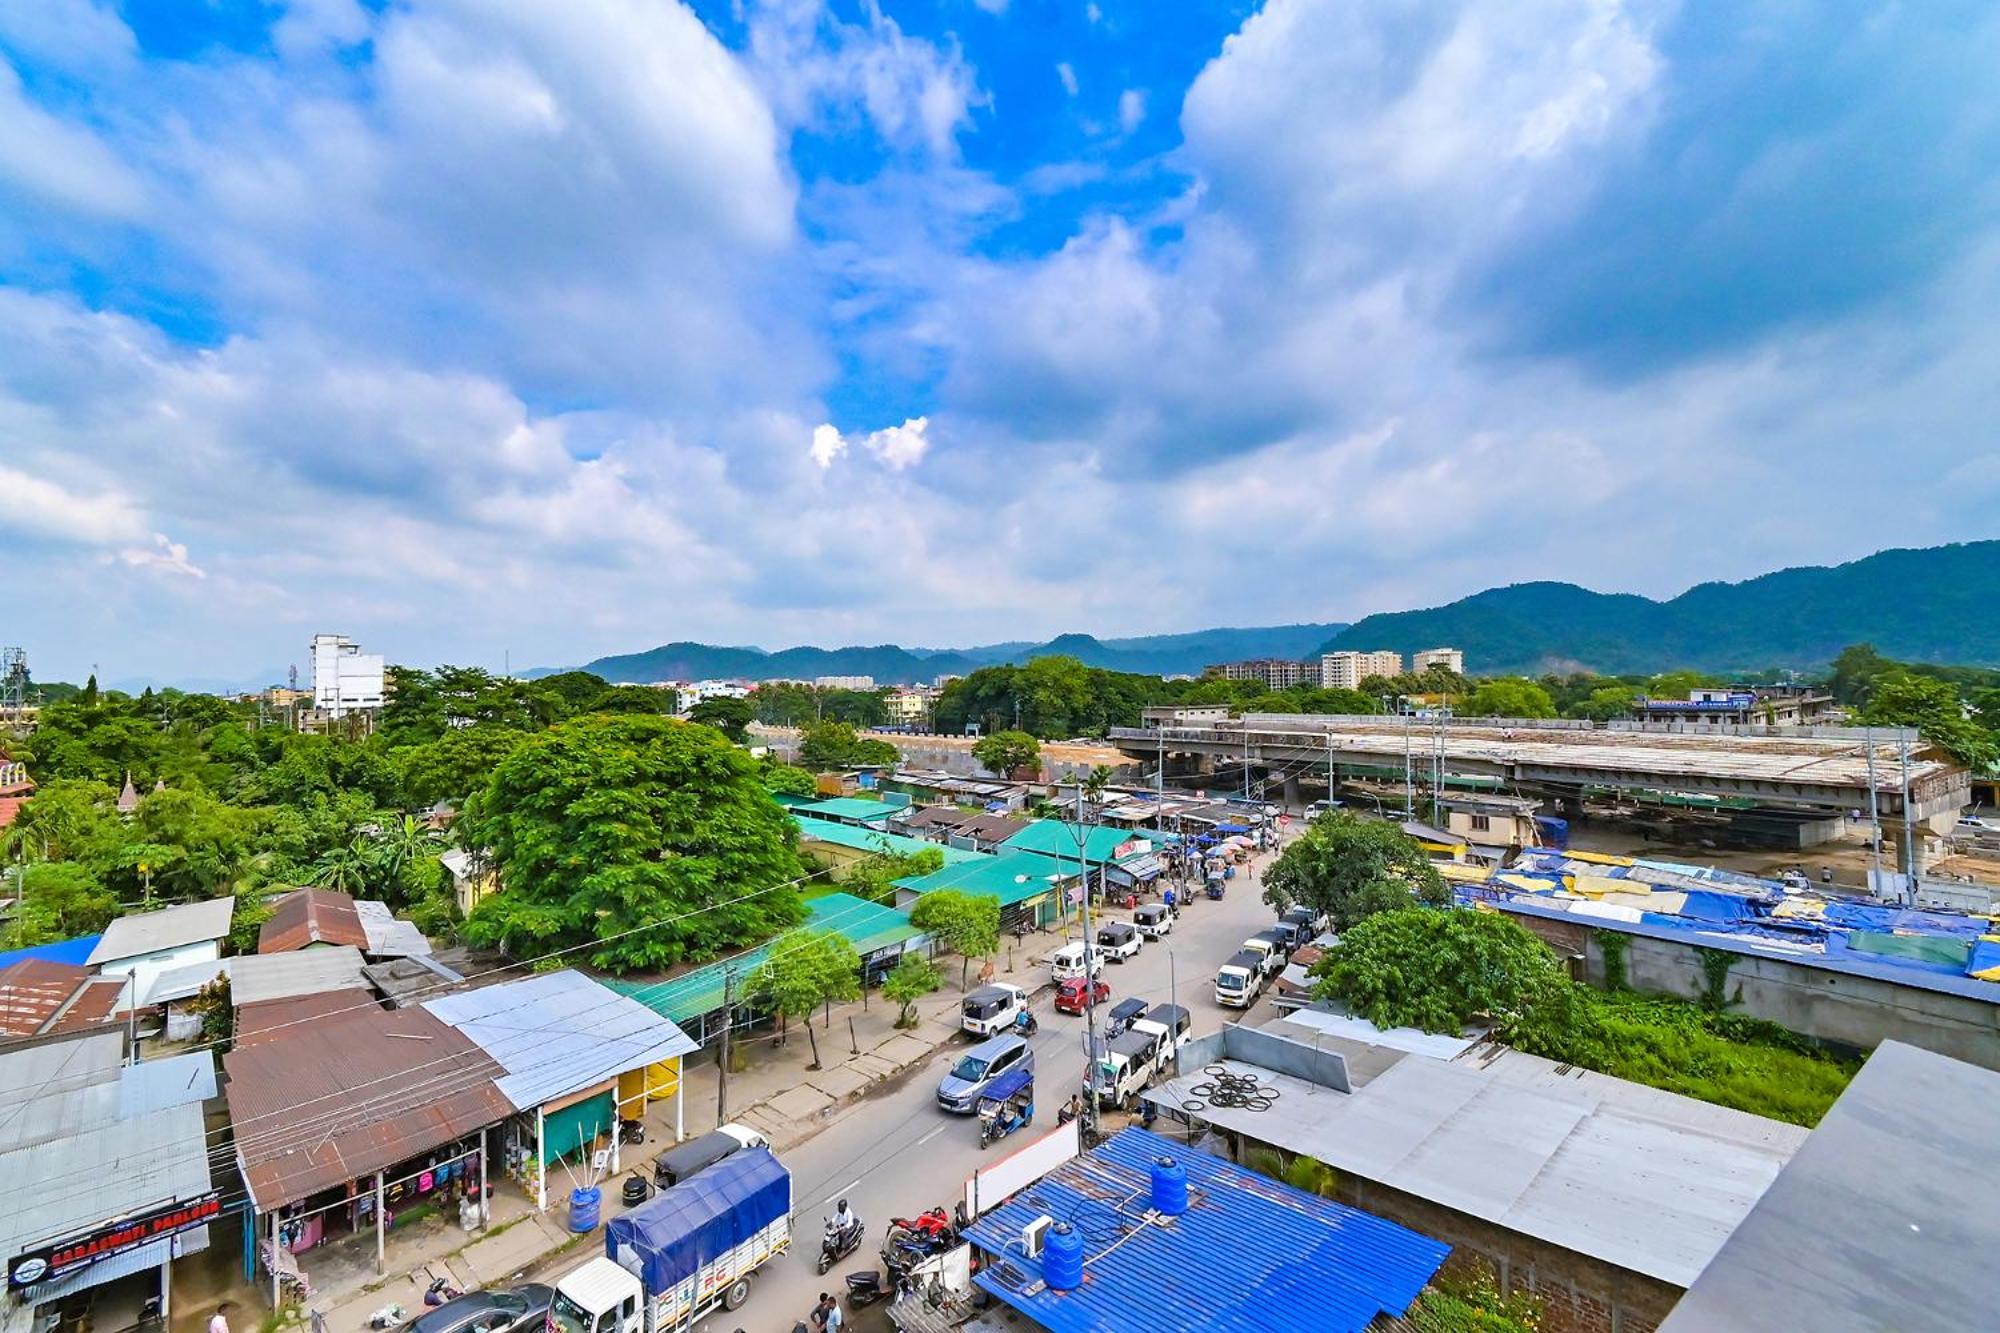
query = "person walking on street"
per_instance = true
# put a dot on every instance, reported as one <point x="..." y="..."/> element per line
<point x="219" y="1322"/>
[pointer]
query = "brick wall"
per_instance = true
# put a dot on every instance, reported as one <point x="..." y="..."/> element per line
<point x="1580" y="1294"/>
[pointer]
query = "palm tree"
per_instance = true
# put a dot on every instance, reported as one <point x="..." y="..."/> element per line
<point x="399" y="844"/>
<point x="343" y="868"/>
<point x="1096" y="781"/>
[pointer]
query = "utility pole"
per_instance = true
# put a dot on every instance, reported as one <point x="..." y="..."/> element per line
<point x="1874" y="820"/>
<point x="1909" y="827"/>
<point x="1329" y="765"/>
<point x="722" y="1069"/>
<point x="1437" y="769"/>
<point x="1409" y="770"/>
<point x="1089" y="968"/>
<point x="1160" y="773"/>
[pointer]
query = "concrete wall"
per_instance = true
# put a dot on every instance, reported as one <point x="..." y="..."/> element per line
<point x="1861" y="1012"/>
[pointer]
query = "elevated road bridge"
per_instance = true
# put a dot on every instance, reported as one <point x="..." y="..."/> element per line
<point x="1819" y="770"/>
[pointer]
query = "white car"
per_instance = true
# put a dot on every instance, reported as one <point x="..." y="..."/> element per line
<point x="1154" y="920"/>
<point x="1067" y="961"/>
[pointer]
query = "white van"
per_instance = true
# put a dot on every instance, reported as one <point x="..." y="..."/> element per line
<point x="1154" y="920"/>
<point x="1067" y="961"/>
<point x="992" y="1009"/>
<point x="1118" y="940"/>
<point x="1240" y="980"/>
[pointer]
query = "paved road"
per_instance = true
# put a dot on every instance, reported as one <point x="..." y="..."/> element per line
<point x="896" y="1153"/>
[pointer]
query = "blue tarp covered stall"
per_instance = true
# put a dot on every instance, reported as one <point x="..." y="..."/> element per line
<point x="701" y="1219"/>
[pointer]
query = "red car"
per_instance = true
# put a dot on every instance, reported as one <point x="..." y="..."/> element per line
<point x="1071" y="996"/>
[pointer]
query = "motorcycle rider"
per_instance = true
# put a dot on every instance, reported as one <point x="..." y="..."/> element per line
<point x="844" y="1219"/>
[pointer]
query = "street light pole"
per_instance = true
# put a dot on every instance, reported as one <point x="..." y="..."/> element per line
<point x="1089" y="969"/>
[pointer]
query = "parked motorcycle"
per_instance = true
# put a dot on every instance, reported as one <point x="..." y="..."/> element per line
<point x="866" y="1288"/>
<point x="839" y="1242"/>
<point x="932" y="1225"/>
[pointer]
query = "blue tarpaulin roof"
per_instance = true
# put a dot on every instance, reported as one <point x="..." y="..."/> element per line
<point x="75" y="952"/>
<point x="1250" y="1255"/>
<point x="701" y="1219"/>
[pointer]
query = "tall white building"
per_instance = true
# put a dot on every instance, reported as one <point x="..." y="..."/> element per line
<point x="844" y="682"/>
<point x="345" y="679"/>
<point x="1346" y="671"/>
<point x="1451" y="659"/>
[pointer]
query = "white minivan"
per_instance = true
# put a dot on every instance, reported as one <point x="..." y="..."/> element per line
<point x="1118" y="940"/>
<point x="1067" y="961"/>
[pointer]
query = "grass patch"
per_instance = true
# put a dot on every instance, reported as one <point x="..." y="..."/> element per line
<point x="1683" y="1047"/>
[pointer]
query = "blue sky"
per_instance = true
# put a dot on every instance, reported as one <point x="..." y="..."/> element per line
<point x="484" y="327"/>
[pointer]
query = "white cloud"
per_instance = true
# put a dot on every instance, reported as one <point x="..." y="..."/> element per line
<point x="992" y="6"/>
<point x="167" y="557"/>
<point x="36" y="507"/>
<point x="55" y="161"/>
<point x="897" y="448"/>
<point x="1067" y="73"/>
<point x="1131" y="109"/>
<point x="827" y="445"/>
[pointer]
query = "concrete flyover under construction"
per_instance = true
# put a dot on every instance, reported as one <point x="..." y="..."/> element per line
<point x="1819" y="772"/>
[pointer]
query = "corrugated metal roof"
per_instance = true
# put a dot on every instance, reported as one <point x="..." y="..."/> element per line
<point x="351" y="1094"/>
<point x="853" y="808"/>
<point x="180" y="983"/>
<point x="1054" y="837"/>
<point x="177" y="1080"/>
<point x="1250" y="1253"/>
<point x="872" y="840"/>
<point x="58" y="1088"/>
<point x="192" y="1241"/>
<point x="34" y="990"/>
<point x="271" y="1020"/>
<point x="1647" y="1180"/>
<point x="142" y="933"/>
<point x="559" y="1033"/>
<point x="867" y="926"/>
<point x="280" y="976"/>
<point x="389" y="936"/>
<point x="306" y="917"/>
<point x="1011" y="877"/>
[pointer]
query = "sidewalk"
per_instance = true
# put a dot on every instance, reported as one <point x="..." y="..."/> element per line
<point x="777" y="1093"/>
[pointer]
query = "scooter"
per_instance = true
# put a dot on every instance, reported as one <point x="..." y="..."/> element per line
<point x="866" y="1288"/>
<point x="838" y="1243"/>
<point x="1026" y="1024"/>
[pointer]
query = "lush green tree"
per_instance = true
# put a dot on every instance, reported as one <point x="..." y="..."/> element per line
<point x="825" y="746"/>
<point x="454" y="766"/>
<point x="1679" y="684"/>
<point x="635" y="699"/>
<point x="575" y="691"/>
<point x="1855" y="672"/>
<point x="912" y="978"/>
<point x="1439" y="970"/>
<point x="304" y="767"/>
<point x="424" y="705"/>
<point x="874" y="876"/>
<point x="1934" y="708"/>
<point x="871" y="753"/>
<point x="345" y="869"/>
<point x="1509" y="696"/>
<point x="58" y="900"/>
<point x="69" y="819"/>
<point x="861" y="708"/>
<point x="785" y="703"/>
<point x="967" y="924"/>
<point x="731" y="717"/>
<point x="199" y="846"/>
<point x="1351" y="868"/>
<point x="648" y="834"/>
<point x="1605" y="704"/>
<point x="1007" y="752"/>
<point x="805" y="969"/>
<point x="789" y="780"/>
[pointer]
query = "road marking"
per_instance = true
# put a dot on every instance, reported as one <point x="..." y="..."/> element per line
<point x="844" y="1189"/>
<point x="928" y="1137"/>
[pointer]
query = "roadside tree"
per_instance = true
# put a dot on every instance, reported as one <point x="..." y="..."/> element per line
<point x="1351" y="868"/>
<point x="804" y="970"/>
<point x="913" y="977"/>
<point x="650" y="836"/>
<point x="1509" y="696"/>
<point x="731" y="717"/>
<point x="968" y="924"/>
<point x="1440" y="970"/>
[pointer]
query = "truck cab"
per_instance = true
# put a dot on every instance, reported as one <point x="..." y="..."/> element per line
<point x="1068" y="961"/>
<point x="1172" y="1024"/>
<point x="1127" y="1065"/>
<point x="1239" y="981"/>
<point x="1270" y="951"/>
<point x="992" y="1009"/>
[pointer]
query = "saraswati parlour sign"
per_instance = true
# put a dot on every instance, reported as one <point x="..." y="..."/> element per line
<point x="127" y="1233"/>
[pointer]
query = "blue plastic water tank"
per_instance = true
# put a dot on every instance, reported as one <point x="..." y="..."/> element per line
<point x="1062" y="1258"/>
<point x="583" y="1208"/>
<point x="1169" y="1187"/>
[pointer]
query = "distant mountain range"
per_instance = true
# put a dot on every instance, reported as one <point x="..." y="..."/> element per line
<point x="1941" y="604"/>
<point x="1155" y="654"/>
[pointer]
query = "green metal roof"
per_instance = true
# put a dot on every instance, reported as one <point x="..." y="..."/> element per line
<point x="995" y="876"/>
<point x="867" y="926"/>
<point x="871" y="840"/>
<point x="852" y="807"/>
<point x="793" y="799"/>
<point x="1054" y="837"/>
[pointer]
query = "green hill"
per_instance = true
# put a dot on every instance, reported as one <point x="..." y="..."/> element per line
<point x="1933" y="605"/>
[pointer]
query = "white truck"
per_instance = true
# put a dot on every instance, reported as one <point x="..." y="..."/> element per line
<point x="1126" y="1065"/>
<point x="689" y="1250"/>
<point x="1172" y="1024"/>
<point x="1069" y="960"/>
<point x="1240" y="981"/>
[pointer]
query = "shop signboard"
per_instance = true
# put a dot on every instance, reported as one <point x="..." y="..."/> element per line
<point x="55" y="1258"/>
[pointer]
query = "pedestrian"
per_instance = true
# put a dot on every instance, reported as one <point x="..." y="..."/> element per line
<point x="219" y="1322"/>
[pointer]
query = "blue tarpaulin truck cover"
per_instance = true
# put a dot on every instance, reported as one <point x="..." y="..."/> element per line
<point x="701" y="1219"/>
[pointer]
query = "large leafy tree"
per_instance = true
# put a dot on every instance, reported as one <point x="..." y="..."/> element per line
<point x="1934" y="708"/>
<point x="966" y="923"/>
<point x="1006" y="751"/>
<point x="804" y="970"/>
<point x="59" y="900"/>
<point x="650" y="835"/>
<point x="1440" y="970"/>
<point x="1509" y="696"/>
<point x="455" y="765"/>
<point x="1351" y="868"/>
<point x="828" y="745"/>
<point x="731" y="717"/>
